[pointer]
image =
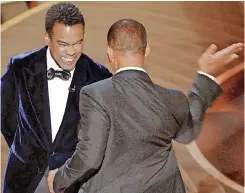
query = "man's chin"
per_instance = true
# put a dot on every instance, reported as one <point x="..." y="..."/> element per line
<point x="69" y="67"/>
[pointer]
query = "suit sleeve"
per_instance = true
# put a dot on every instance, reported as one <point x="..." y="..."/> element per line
<point x="190" y="111"/>
<point x="92" y="139"/>
<point x="9" y="104"/>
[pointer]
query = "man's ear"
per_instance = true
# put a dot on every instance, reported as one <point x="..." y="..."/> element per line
<point x="47" y="39"/>
<point x="147" y="50"/>
<point x="110" y="53"/>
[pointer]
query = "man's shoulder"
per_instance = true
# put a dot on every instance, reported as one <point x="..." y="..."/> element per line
<point x="98" y="90"/>
<point x="92" y="62"/>
<point x="172" y="98"/>
<point x="26" y="55"/>
<point x="24" y="58"/>
<point x="100" y="86"/>
<point x="170" y="93"/>
<point x="97" y="68"/>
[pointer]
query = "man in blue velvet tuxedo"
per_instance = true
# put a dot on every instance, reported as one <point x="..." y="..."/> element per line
<point x="39" y="102"/>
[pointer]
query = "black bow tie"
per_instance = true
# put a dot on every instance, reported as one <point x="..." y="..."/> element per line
<point x="62" y="74"/>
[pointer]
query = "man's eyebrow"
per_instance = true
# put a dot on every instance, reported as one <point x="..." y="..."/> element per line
<point x="79" y="41"/>
<point x="60" y="41"/>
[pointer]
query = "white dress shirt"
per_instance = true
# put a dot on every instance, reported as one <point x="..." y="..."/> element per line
<point x="58" y="94"/>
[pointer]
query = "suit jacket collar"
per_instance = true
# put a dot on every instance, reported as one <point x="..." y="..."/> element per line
<point x="133" y="74"/>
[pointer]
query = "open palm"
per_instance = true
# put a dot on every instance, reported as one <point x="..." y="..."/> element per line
<point x="214" y="63"/>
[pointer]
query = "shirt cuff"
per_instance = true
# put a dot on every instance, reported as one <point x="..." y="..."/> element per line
<point x="208" y="75"/>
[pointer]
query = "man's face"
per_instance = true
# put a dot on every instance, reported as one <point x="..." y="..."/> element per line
<point x="66" y="44"/>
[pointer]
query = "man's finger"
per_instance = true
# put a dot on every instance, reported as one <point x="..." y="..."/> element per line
<point x="211" y="50"/>
<point x="50" y="186"/>
<point x="232" y="49"/>
<point x="231" y="58"/>
<point x="237" y="48"/>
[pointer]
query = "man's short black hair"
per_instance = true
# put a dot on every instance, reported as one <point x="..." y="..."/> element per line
<point x="65" y="13"/>
<point x="127" y="35"/>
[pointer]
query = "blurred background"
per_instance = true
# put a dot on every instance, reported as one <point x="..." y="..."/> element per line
<point x="178" y="33"/>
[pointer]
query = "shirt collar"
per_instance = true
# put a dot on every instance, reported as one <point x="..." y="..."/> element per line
<point x="130" y="68"/>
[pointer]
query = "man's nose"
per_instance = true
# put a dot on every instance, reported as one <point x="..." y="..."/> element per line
<point x="70" y="51"/>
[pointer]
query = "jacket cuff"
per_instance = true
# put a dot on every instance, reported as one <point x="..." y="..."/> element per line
<point x="207" y="89"/>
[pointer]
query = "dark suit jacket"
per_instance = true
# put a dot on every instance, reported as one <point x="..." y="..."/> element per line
<point x="25" y="118"/>
<point x="125" y="133"/>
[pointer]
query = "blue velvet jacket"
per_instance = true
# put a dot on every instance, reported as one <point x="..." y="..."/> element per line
<point x="25" y="119"/>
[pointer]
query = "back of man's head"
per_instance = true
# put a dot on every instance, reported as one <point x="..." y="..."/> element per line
<point x="127" y="35"/>
<point x="65" y="13"/>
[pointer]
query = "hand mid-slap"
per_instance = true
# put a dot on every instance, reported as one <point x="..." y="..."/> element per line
<point x="214" y="63"/>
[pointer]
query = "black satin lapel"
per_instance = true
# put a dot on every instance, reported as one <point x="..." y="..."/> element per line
<point x="37" y="88"/>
